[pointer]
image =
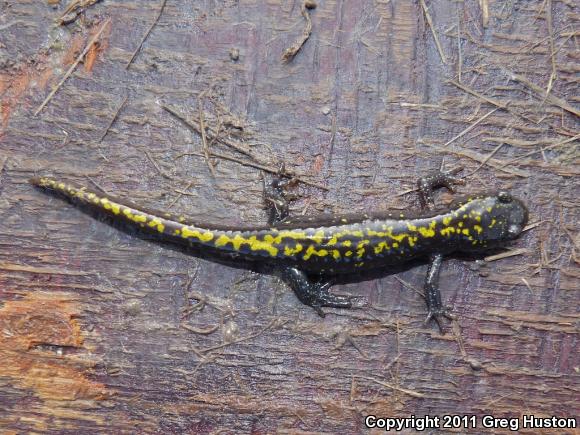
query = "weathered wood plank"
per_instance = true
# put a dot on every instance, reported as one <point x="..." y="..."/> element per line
<point x="102" y="329"/>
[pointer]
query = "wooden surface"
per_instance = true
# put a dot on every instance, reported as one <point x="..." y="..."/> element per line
<point x="102" y="329"/>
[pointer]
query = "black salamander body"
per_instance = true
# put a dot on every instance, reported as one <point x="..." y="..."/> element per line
<point x="335" y="245"/>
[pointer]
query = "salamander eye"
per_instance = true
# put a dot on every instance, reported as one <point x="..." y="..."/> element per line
<point x="504" y="197"/>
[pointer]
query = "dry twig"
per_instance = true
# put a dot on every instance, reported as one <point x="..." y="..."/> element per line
<point x="275" y="322"/>
<point x="489" y="156"/>
<point x="478" y="157"/>
<point x="291" y="51"/>
<point x="392" y="387"/>
<point x="556" y="101"/>
<point x="72" y="67"/>
<point x="73" y="10"/>
<point x="484" y="5"/>
<point x="259" y="165"/>
<point x="490" y="100"/>
<point x="195" y="127"/>
<point x="265" y="168"/>
<point x="541" y="150"/>
<point x="459" y="50"/>
<point x="203" y="136"/>
<point x="471" y="127"/>
<point x="113" y="119"/>
<point x="554" y="74"/>
<point x="430" y="22"/>
<point x="157" y="167"/>
<point x="146" y="35"/>
<point x="512" y="253"/>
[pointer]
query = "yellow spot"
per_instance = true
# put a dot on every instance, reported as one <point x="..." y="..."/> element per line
<point x="259" y="245"/>
<point x="336" y="254"/>
<point x="332" y="241"/>
<point x="478" y="229"/>
<point x="398" y="237"/>
<point x="237" y="241"/>
<point x="288" y="251"/>
<point x="138" y="218"/>
<point x="106" y="203"/>
<point x="156" y="223"/>
<point x="411" y="227"/>
<point x="381" y="246"/>
<point x="465" y="231"/>
<point x="348" y="253"/>
<point x="489" y="209"/>
<point x="222" y="240"/>
<point x="460" y="224"/>
<point x="427" y="232"/>
<point x="359" y="264"/>
<point x="177" y="232"/>
<point x="371" y="233"/>
<point x="295" y="235"/>
<point x="395" y="245"/>
<point x="412" y="241"/>
<point x="318" y="236"/>
<point x="203" y="236"/>
<point x="347" y="243"/>
<point x="361" y="248"/>
<point x="447" y="231"/>
<point x="311" y="250"/>
<point x="93" y="198"/>
<point x="446" y="221"/>
<point x="478" y="218"/>
<point x="493" y="222"/>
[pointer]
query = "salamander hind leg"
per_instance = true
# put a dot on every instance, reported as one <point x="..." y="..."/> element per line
<point x="314" y="294"/>
<point x="276" y="197"/>
<point x="437" y="179"/>
<point x="432" y="293"/>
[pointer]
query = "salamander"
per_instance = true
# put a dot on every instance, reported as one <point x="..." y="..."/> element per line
<point x="326" y="245"/>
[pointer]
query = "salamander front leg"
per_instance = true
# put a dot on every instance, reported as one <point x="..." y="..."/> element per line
<point x="432" y="293"/>
<point x="314" y="294"/>
<point x="437" y="179"/>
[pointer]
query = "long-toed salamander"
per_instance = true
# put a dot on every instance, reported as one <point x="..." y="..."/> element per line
<point x="331" y="245"/>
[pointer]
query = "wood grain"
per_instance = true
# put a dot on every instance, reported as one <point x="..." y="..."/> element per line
<point x="102" y="329"/>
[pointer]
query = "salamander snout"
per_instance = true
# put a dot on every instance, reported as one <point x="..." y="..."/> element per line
<point x="496" y="219"/>
<point x="515" y="212"/>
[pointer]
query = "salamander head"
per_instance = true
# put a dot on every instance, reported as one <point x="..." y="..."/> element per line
<point x="494" y="219"/>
